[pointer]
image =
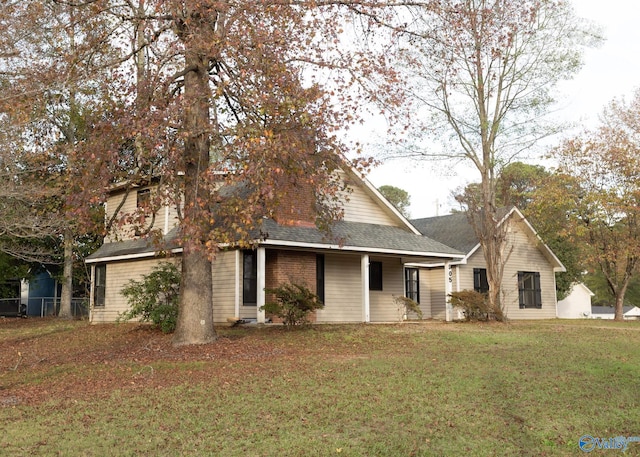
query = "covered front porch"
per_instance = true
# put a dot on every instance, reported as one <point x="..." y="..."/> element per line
<point x="354" y="286"/>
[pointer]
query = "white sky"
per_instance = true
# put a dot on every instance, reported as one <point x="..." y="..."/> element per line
<point x="610" y="71"/>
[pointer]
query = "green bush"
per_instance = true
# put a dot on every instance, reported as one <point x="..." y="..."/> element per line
<point x="293" y="303"/>
<point x="154" y="298"/>
<point x="475" y="305"/>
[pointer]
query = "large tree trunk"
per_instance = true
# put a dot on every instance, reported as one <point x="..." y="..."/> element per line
<point x="619" y="310"/>
<point x="491" y="237"/>
<point x="617" y="286"/>
<point x="195" y="317"/>
<point x="67" y="277"/>
<point x="619" y="293"/>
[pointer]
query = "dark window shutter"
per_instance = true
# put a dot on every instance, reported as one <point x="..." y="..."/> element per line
<point x="320" y="276"/>
<point x="538" y="290"/>
<point x="375" y="275"/>
<point x="521" y="289"/>
<point x="480" y="283"/>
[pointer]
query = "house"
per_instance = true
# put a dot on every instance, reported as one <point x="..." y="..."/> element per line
<point x="357" y="278"/>
<point x="37" y="296"/>
<point x="608" y="312"/>
<point x="528" y="286"/>
<point x="577" y="304"/>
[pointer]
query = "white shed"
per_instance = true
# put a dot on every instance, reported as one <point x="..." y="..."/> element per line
<point x="576" y="305"/>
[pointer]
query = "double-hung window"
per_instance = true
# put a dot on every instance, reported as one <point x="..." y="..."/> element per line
<point x="143" y="198"/>
<point x="99" y="285"/>
<point x="412" y="284"/>
<point x="249" y="278"/>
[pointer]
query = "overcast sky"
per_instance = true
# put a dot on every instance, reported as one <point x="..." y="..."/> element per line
<point x="610" y="71"/>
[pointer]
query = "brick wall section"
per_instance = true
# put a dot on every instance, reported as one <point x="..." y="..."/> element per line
<point x="297" y="205"/>
<point x="291" y="267"/>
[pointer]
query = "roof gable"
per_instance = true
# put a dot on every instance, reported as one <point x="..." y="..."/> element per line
<point x="366" y="204"/>
<point x="456" y="231"/>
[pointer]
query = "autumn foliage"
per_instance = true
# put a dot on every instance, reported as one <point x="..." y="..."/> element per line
<point x="604" y="165"/>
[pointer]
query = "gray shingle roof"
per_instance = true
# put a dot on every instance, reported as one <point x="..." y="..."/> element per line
<point x="609" y="309"/>
<point x="133" y="247"/>
<point x="452" y="230"/>
<point x="355" y="235"/>
<point x="360" y="235"/>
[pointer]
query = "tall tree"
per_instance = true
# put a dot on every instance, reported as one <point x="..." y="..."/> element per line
<point x="48" y="116"/>
<point x="484" y="73"/>
<point x="606" y="165"/>
<point x="397" y="197"/>
<point x="545" y="199"/>
<point x="229" y="105"/>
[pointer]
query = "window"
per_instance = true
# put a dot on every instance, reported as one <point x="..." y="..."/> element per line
<point x="320" y="276"/>
<point x="529" y="289"/>
<point x="99" y="286"/>
<point x="143" y="198"/>
<point x="480" y="283"/>
<point x="412" y="284"/>
<point x="375" y="275"/>
<point x="249" y="278"/>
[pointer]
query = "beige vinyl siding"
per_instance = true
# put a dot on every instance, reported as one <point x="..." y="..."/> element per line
<point x="527" y="257"/>
<point x="170" y="215"/>
<point x="360" y="207"/>
<point x="223" y="270"/>
<point x="466" y="271"/>
<point x="119" y="232"/>
<point x="382" y="307"/>
<point x="166" y="217"/>
<point x="343" y="289"/>
<point x="118" y="275"/>
<point x="425" y="279"/>
<point x="524" y="256"/>
<point x="432" y="295"/>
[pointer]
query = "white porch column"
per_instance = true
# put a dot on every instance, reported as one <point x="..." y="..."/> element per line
<point x="238" y="285"/>
<point x="261" y="257"/>
<point x="364" y="269"/>
<point x="92" y="291"/>
<point x="448" y="288"/>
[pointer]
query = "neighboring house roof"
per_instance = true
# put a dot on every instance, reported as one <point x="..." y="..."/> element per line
<point x="347" y="236"/>
<point x="456" y="231"/>
<point x="628" y="310"/>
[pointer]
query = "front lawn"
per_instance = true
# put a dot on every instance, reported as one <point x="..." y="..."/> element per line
<point x="524" y="388"/>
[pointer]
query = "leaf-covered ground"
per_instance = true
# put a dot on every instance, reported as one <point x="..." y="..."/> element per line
<point x="42" y="359"/>
<point x="524" y="388"/>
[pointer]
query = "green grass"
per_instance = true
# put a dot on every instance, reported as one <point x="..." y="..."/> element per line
<point x="363" y="390"/>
